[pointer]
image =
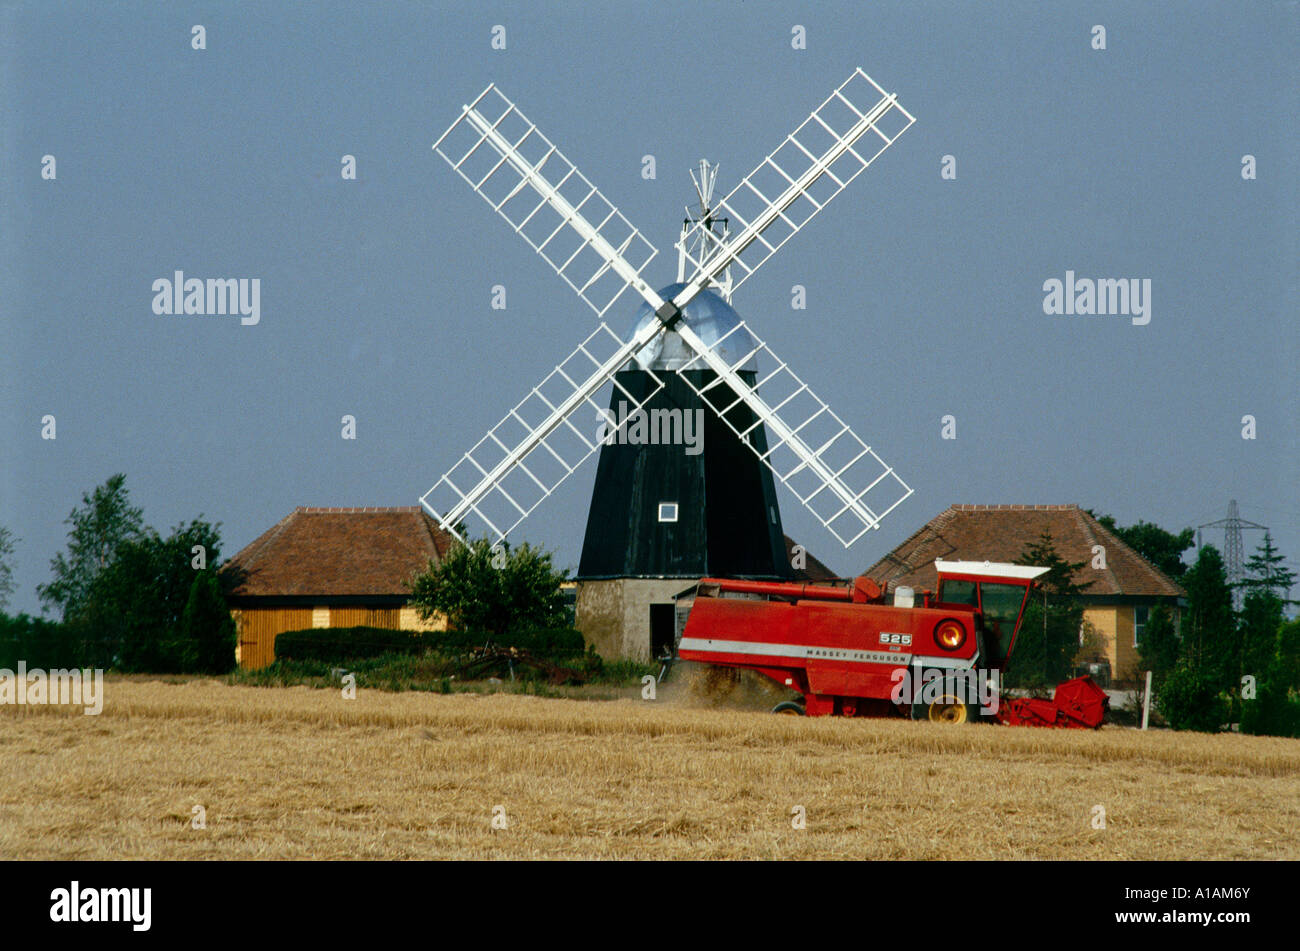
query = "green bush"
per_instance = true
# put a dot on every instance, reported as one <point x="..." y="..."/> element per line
<point x="1273" y="712"/>
<point x="558" y="645"/>
<point x="346" y="643"/>
<point x="1190" y="700"/>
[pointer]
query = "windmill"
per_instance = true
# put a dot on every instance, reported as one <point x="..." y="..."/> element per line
<point x="687" y="345"/>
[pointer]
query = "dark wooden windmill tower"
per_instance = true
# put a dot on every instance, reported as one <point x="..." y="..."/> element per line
<point x="678" y="494"/>
<point x="702" y="418"/>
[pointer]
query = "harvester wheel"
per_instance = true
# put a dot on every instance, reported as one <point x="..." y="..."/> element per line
<point x="947" y="709"/>
<point x="790" y="708"/>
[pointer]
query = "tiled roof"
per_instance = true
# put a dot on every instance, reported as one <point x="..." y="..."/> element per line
<point x="1002" y="532"/>
<point x="813" y="570"/>
<point x="341" y="552"/>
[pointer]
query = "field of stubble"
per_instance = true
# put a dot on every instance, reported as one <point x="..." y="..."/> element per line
<point x="296" y="773"/>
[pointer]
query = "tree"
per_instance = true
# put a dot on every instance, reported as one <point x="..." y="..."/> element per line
<point x="1163" y="549"/>
<point x="1158" y="649"/>
<point x="1265" y="571"/>
<point x="1258" y="625"/>
<point x="1288" y="654"/>
<point x="1191" y="699"/>
<point x="1059" y="578"/>
<point x="206" y="624"/>
<point x="1273" y="710"/>
<point x="135" y="606"/>
<point x="105" y="521"/>
<point x="1049" y="633"/>
<point x="498" y="591"/>
<point x="7" y="542"/>
<point x="1210" y="641"/>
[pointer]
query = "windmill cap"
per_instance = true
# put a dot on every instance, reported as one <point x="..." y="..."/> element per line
<point x="712" y="319"/>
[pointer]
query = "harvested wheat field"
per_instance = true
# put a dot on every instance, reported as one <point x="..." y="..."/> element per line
<point x="295" y="773"/>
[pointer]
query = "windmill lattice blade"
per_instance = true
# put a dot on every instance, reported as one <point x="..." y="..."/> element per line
<point x="795" y="182"/>
<point x="543" y="196"/>
<point x="526" y="456"/>
<point x="836" y="475"/>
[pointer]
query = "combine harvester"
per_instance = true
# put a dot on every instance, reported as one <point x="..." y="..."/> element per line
<point x="937" y="657"/>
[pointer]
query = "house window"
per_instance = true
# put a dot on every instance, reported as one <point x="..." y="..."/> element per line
<point x="1140" y="615"/>
<point x="667" y="511"/>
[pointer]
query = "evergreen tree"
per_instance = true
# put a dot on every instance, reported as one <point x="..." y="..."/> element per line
<point x="1288" y="654"/>
<point x="207" y="627"/>
<point x="1266" y="571"/>
<point x="1049" y="633"/>
<point x="1210" y="631"/>
<point x="1261" y="619"/>
<point x="1274" y="710"/>
<point x="1159" y="647"/>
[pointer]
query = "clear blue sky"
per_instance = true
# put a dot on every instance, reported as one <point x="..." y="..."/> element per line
<point x="924" y="295"/>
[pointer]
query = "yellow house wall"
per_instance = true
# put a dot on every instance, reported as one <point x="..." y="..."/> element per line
<point x="1129" y="662"/>
<point x="257" y="629"/>
<point x="1114" y="624"/>
<point x="410" y="621"/>
<point x="1103" y="621"/>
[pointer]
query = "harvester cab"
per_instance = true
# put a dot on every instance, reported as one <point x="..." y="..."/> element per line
<point x="996" y="594"/>
<point x="850" y="652"/>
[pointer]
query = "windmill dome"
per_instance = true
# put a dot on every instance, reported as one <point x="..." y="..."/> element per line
<point x="711" y="317"/>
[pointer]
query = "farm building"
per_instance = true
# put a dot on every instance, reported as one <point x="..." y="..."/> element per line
<point x="332" y="567"/>
<point x="1116" y="603"/>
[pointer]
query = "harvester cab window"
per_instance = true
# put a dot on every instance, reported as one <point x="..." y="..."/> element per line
<point x="958" y="592"/>
<point x="1001" y="604"/>
<point x="1000" y="607"/>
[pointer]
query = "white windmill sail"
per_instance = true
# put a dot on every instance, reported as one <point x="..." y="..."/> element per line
<point x="508" y="162"/>
<point x="837" y="476"/>
<point x="543" y="196"/>
<point x="801" y="176"/>
<point x="524" y="458"/>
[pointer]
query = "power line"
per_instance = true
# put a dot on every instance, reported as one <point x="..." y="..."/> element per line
<point x="1232" y="553"/>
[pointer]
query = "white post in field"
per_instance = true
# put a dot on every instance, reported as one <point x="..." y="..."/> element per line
<point x="1146" y="702"/>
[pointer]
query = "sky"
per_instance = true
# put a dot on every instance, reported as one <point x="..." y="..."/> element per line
<point x="925" y="294"/>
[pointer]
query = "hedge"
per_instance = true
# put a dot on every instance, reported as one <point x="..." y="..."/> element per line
<point x="45" y="644"/>
<point x="345" y="643"/>
<point x="359" y="643"/>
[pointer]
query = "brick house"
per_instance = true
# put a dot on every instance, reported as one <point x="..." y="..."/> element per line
<point x="1116" y="604"/>
<point x="332" y="567"/>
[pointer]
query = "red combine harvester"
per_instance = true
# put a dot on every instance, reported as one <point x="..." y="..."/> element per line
<point x="936" y="656"/>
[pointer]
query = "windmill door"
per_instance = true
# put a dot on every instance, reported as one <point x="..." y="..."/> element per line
<point x="663" y="628"/>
